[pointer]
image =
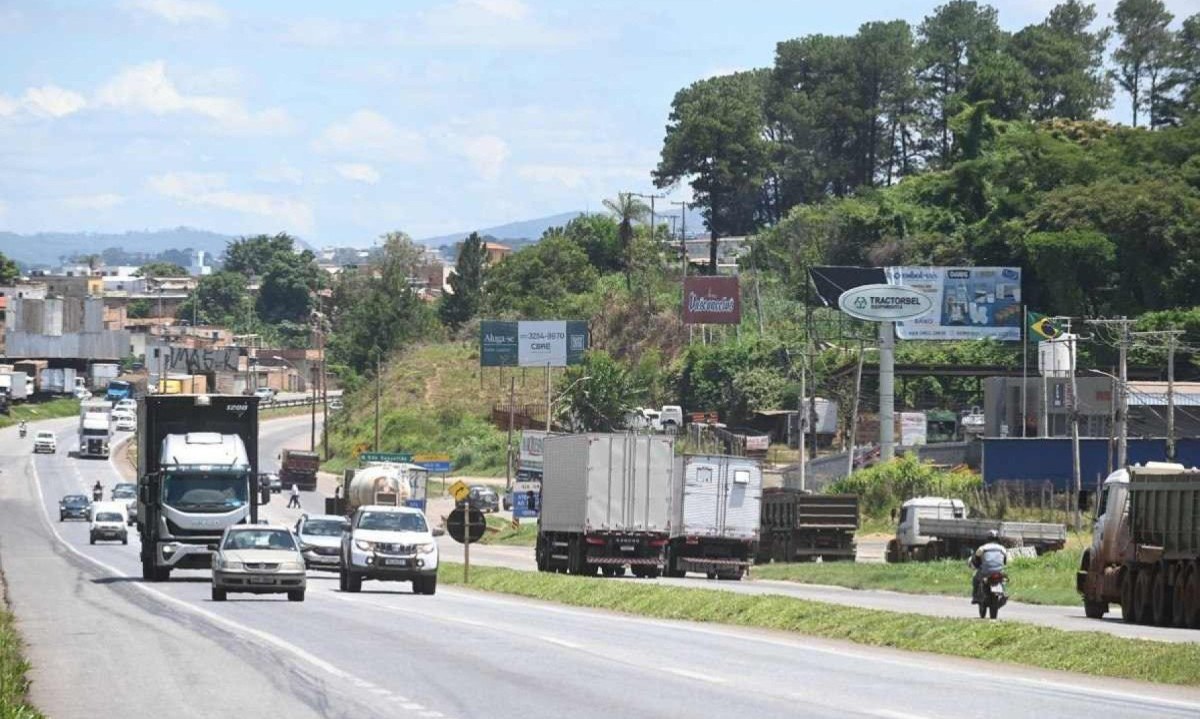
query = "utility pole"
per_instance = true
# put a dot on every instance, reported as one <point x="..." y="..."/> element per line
<point x="378" y="392"/>
<point x="548" y="398"/>
<point x="1171" y="340"/>
<point x="887" y="392"/>
<point x="652" y="197"/>
<point x="312" y="439"/>
<point x="800" y="427"/>
<point x="1124" y="340"/>
<point x="683" y="233"/>
<point x="854" y="410"/>
<point x="1076" y="470"/>
<point x="324" y="398"/>
<point x="512" y="410"/>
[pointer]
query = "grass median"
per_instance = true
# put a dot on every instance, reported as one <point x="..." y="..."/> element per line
<point x="500" y="531"/>
<point x="1010" y="642"/>
<point x="13" y="684"/>
<point x="1049" y="579"/>
<point x="33" y="411"/>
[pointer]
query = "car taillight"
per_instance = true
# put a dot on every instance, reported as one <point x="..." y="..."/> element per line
<point x="996" y="578"/>
<point x="658" y="542"/>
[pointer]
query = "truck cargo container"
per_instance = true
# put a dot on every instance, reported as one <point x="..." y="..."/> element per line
<point x="799" y="527"/>
<point x="715" y="515"/>
<point x="1145" y="552"/>
<point x="58" y="380"/>
<point x="95" y="429"/>
<point x="933" y="528"/>
<point x="606" y="503"/>
<point x="33" y="371"/>
<point x="197" y="470"/>
<point x="101" y="373"/>
<point x="299" y="467"/>
<point x="15" y="385"/>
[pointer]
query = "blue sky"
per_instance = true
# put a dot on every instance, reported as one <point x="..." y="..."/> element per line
<point x="340" y="121"/>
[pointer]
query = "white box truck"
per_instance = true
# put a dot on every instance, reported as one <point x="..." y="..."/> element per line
<point x="606" y="503"/>
<point x="95" y="428"/>
<point x="715" y="516"/>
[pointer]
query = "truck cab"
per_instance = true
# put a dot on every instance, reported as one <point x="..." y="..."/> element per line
<point x="911" y="512"/>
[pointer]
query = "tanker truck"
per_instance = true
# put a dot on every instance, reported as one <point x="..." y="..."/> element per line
<point x="1145" y="552"/>
<point x="375" y="485"/>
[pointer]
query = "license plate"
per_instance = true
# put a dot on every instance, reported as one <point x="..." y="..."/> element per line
<point x="627" y="547"/>
<point x="396" y="562"/>
<point x="262" y="580"/>
<point x="997" y="589"/>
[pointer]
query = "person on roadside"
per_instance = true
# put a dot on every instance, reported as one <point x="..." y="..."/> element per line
<point x="294" y="500"/>
<point x="990" y="558"/>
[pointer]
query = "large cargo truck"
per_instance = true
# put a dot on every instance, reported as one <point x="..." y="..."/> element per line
<point x="933" y="528"/>
<point x="299" y="467"/>
<point x="101" y="373"/>
<point x="799" y="527"/>
<point x="606" y="503"/>
<point x="95" y="429"/>
<point x="14" y="385"/>
<point x="715" y="515"/>
<point x="197" y="470"/>
<point x="1145" y="552"/>
<point x="58" y="380"/>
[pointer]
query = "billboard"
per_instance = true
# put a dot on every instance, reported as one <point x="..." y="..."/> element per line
<point x="711" y="300"/>
<point x="553" y="343"/>
<point x="884" y="303"/>
<point x="968" y="302"/>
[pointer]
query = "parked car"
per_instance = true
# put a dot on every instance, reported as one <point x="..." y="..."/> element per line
<point x="44" y="441"/>
<point x="108" y="522"/>
<point x="82" y="393"/>
<point x="320" y="538"/>
<point x="125" y="421"/>
<point x="671" y="418"/>
<point x="389" y="544"/>
<point x="257" y="559"/>
<point x="270" y="480"/>
<point x="74" y="506"/>
<point x="335" y="403"/>
<point x="484" y="498"/>
<point x="266" y="394"/>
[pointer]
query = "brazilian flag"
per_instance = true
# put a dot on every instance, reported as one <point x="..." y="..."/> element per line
<point x="1041" y="326"/>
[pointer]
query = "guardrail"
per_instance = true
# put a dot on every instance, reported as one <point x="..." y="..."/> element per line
<point x="307" y="401"/>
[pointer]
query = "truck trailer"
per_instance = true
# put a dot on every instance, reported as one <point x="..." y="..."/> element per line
<point x="933" y="528"/>
<point x="715" y="514"/>
<point x="197" y="470"/>
<point x="799" y="527"/>
<point x="95" y="429"/>
<point x="606" y="503"/>
<point x="299" y="467"/>
<point x="1145" y="552"/>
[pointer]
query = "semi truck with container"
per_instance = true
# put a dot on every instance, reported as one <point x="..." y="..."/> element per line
<point x="99" y="374"/>
<point x="715" y="515"/>
<point x="95" y="429"/>
<point x="14" y="385"/>
<point x="800" y="527"/>
<point x="1145" y="551"/>
<point x="606" y="503"/>
<point x="299" y="467"/>
<point x="932" y="528"/>
<point x="197" y="475"/>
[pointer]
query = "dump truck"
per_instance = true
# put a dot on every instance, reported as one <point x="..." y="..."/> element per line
<point x="606" y="503"/>
<point x="95" y="429"/>
<point x="715" y="514"/>
<point x="933" y="528"/>
<point x="299" y="467"/>
<point x="1145" y="551"/>
<point x="197" y="470"/>
<point x="797" y="526"/>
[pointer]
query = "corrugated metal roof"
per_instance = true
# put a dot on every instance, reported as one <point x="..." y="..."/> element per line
<point x="1154" y="394"/>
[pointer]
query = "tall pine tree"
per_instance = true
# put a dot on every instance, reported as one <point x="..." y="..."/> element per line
<point x="466" y="284"/>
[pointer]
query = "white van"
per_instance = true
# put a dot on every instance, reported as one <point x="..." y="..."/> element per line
<point x="109" y="521"/>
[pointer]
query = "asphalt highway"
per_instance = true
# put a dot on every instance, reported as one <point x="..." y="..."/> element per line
<point x="104" y="643"/>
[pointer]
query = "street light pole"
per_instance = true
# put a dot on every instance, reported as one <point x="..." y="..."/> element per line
<point x="683" y="233"/>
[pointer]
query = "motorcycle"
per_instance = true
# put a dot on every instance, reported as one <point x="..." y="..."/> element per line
<point x="991" y="594"/>
<point x="97" y="494"/>
<point x="23" y="431"/>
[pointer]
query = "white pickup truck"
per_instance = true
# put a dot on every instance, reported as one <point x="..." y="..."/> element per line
<point x="390" y="544"/>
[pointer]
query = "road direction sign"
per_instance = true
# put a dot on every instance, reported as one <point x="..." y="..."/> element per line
<point x="526" y="499"/>
<point x="437" y="463"/>
<point x="466" y="526"/>
<point x="459" y="490"/>
<point x="404" y="457"/>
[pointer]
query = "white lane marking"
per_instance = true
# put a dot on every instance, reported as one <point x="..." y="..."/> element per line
<point x="561" y="642"/>
<point x="380" y="691"/>
<point x="237" y="628"/>
<point x="699" y="676"/>
<point x="893" y="714"/>
<point x="431" y="715"/>
<point x="913" y="661"/>
<point x="412" y="706"/>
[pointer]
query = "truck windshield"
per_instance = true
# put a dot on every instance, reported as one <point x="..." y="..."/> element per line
<point x="392" y="521"/>
<point x="94" y="432"/>
<point x="205" y="492"/>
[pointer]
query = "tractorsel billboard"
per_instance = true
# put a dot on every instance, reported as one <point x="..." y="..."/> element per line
<point x="968" y="302"/>
<point x="711" y="301"/>
<point x="884" y="303"/>
<point x="552" y="343"/>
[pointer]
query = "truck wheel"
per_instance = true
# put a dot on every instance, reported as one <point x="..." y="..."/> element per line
<point x="1143" y="596"/>
<point x="1094" y="610"/>
<point x="1129" y="595"/>
<point x="1192" y="603"/>
<point x="342" y="584"/>
<point x="619" y="570"/>
<point x="1160" y="595"/>
<point x="429" y="585"/>
<point x="541" y="556"/>
<point x="296" y="596"/>
<point x="125" y="539"/>
<point x="891" y="555"/>
<point x="91" y="539"/>
<point x="218" y="595"/>
<point x="353" y="583"/>
<point x="1179" y="598"/>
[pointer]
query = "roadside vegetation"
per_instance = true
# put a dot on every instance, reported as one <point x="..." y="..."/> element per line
<point x="32" y="411"/>
<point x="1011" y="642"/>
<point x="13" y="684"/>
<point x="501" y="532"/>
<point x="1048" y="579"/>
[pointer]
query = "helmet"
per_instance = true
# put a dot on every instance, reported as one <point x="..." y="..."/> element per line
<point x="993" y="534"/>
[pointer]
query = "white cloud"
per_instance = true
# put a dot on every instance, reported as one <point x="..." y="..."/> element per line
<point x="3" y="208"/>
<point x="565" y="175"/>
<point x="368" y="135"/>
<point x="147" y="88"/>
<point x="53" y="101"/>
<point x="484" y="23"/>
<point x="509" y="9"/>
<point x="179" y="12"/>
<point x="8" y="106"/>
<point x="283" y="173"/>
<point x="102" y="201"/>
<point x="209" y="190"/>
<point x="358" y="172"/>
<point x="321" y="32"/>
<point x="486" y="153"/>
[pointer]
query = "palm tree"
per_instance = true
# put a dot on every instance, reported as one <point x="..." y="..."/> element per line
<point x="627" y="210"/>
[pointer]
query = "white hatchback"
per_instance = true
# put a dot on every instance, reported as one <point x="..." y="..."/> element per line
<point x="125" y="421"/>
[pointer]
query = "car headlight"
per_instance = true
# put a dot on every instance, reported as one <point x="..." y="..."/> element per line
<point x="292" y="566"/>
<point x="364" y="545"/>
<point x="226" y="564"/>
<point x="307" y="547"/>
<point x="427" y="548"/>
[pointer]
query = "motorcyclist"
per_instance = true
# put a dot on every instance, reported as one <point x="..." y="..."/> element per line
<point x="24" y="428"/>
<point x="97" y="491"/>
<point x="990" y="558"/>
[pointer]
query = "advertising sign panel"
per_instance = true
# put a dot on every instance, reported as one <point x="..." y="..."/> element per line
<point x="884" y="303"/>
<point x="967" y="302"/>
<point x="530" y="457"/>
<point x="711" y="301"/>
<point x="526" y="498"/>
<point x="532" y="344"/>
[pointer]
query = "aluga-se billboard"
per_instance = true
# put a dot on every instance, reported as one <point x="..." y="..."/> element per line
<point x="532" y="344"/>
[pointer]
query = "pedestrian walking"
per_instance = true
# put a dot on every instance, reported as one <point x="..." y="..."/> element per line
<point x="294" y="501"/>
